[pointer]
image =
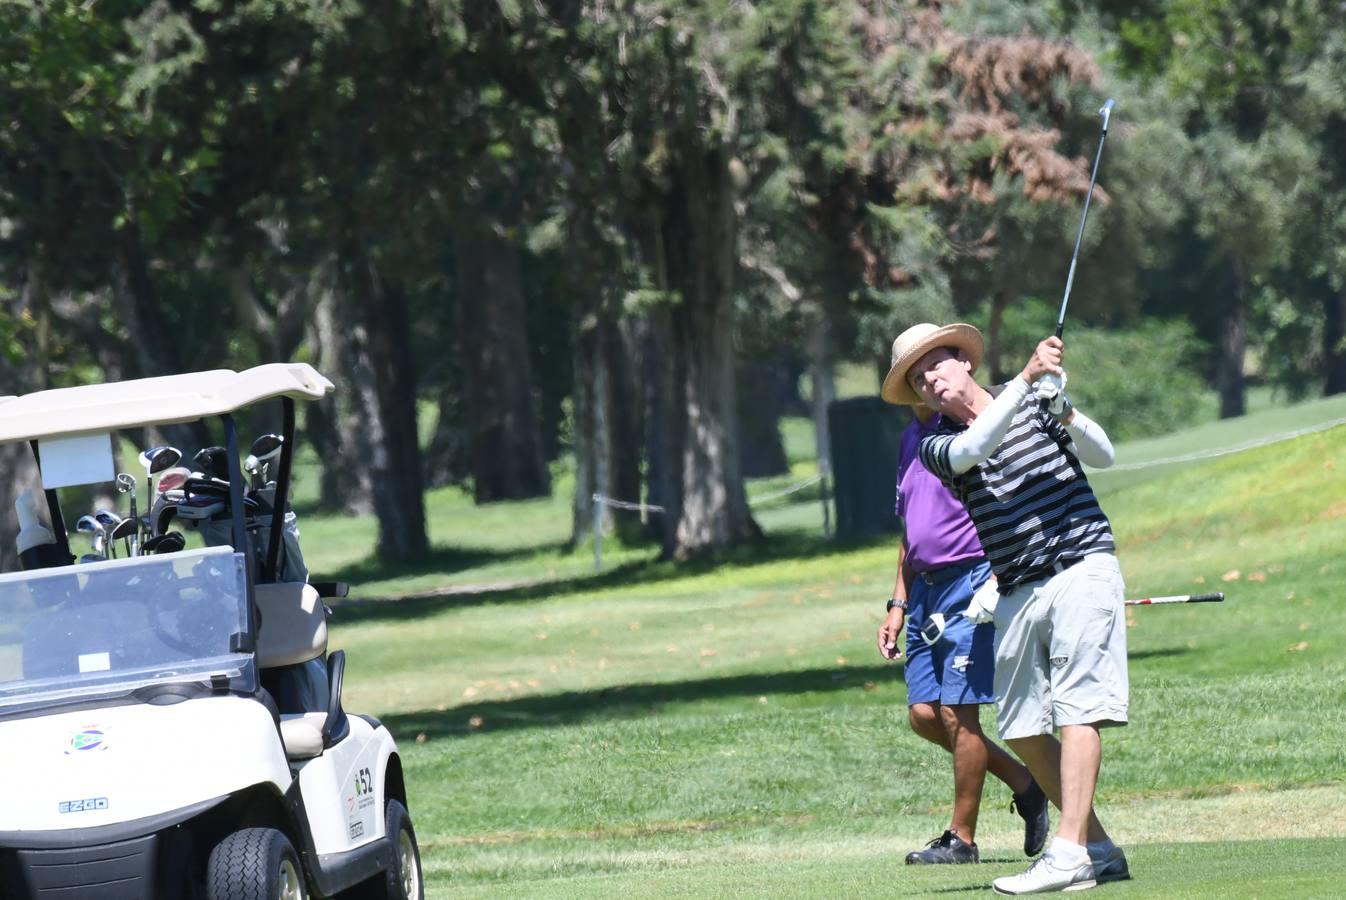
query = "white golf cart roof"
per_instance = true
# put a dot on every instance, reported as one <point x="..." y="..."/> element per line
<point x="99" y="408"/>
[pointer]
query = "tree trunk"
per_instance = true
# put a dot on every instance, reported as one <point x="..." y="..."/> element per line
<point x="590" y="424"/>
<point x="995" y="352"/>
<point x="665" y="425"/>
<point x="446" y="459"/>
<point x="154" y="345"/>
<point x="399" y="499"/>
<point x="702" y="247"/>
<point x="507" y="460"/>
<point x="823" y="387"/>
<point x="623" y="423"/>
<point x="1234" y="346"/>
<point x="760" y="395"/>
<point x="1334" y="343"/>
<point x="341" y="442"/>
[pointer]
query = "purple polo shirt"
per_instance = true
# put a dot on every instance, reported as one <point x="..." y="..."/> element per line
<point x="939" y="532"/>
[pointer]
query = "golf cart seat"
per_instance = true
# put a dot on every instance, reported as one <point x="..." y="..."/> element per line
<point x="291" y="651"/>
<point x="308" y="734"/>
<point x="292" y="626"/>
<point x="302" y="734"/>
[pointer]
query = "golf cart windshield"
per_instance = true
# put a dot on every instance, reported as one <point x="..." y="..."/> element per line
<point x="108" y="628"/>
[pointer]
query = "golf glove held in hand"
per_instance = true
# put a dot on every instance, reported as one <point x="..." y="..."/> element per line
<point x="981" y="608"/>
<point x="1051" y="389"/>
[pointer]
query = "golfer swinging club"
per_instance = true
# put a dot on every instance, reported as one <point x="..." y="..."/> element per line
<point x="950" y="659"/>
<point x="1013" y="457"/>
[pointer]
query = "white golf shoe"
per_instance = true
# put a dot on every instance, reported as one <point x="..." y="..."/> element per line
<point x="1046" y="876"/>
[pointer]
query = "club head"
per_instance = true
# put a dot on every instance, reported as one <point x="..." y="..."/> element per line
<point x="89" y="525"/>
<point x="172" y="479"/>
<point x="1106" y="112"/>
<point x="125" y="482"/>
<point x="91" y="557"/>
<point x="267" y="446"/>
<point x="212" y="461"/>
<point x="156" y="459"/>
<point x="124" y="529"/>
<point x="171" y="542"/>
<point x="107" y="518"/>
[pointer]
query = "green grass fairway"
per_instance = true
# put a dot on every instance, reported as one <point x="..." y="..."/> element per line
<point x="728" y="729"/>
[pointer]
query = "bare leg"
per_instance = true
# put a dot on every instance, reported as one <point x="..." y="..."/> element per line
<point x="1046" y="759"/>
<point x="1081" y="753"/>
<point x="925" y="721"/>
<point x="969" y="766"/>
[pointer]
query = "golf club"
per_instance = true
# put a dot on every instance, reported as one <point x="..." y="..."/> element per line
<point x="258" y="464"/>
<point x="156" y="460"/>
<point x="109" y="520"/>
<point x="172" y="479"/>
<point x="90" y="526"/>
<point x="126" y="530"/>
<point x="1216" y="597"/>
<point x="126" y="483"/>
<point x="171" y="542"/>
<point x="213" y="462"/>
<point x="1106" y="113"/>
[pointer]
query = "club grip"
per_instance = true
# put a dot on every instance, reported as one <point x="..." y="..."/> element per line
<point x="1216" y="597"/>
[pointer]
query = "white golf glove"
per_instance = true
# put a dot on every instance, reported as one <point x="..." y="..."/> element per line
<point x="1052" y="389"/>
<point x="981" y="608"/>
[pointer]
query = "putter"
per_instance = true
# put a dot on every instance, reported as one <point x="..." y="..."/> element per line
<point x="1106" y="113"/>
<point x="126" y="483"/>
<point x="1216" y="597"/>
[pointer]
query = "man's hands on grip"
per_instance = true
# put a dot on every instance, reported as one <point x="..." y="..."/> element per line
<point x="1051" y="390"/>
<point x="1046" y="360"/>
<point x="890" y="632"/>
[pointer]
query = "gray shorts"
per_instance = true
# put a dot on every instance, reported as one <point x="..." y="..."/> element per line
<point x="1060" y="651"/>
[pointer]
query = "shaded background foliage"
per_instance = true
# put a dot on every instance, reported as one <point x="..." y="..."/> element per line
<point x="636" y="234"/>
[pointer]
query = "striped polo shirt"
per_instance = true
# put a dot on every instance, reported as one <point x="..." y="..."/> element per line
<point x="1029" y="500"/>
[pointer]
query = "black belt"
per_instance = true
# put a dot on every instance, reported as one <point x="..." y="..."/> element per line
<point x="950" y="572"/>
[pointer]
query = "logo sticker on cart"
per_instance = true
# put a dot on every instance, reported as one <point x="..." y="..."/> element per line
<point x="87" y="741"/>
<point x="90" y="805"/>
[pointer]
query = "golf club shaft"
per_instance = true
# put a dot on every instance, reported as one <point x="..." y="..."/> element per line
<point x="1106" y="113"/>
<point x="1216" y="597"/>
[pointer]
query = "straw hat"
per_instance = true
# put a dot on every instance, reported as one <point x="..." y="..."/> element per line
<point x="917" y="341"/>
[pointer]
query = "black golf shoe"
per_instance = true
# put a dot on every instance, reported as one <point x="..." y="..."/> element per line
<point x="945" y="849"/>
<point x="1032" y="807"/>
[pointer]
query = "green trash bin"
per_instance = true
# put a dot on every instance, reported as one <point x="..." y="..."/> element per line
<point x="866" y="435"/>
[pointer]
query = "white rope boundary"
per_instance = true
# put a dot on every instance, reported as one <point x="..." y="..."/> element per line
<point x="763" y="498"/>
<point x="1237" y="448"/>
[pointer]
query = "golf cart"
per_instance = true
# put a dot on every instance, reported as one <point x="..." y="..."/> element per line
<point x="170" y="721"/>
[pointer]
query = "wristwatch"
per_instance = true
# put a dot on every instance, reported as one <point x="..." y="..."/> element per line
<point x="897" y="604"/>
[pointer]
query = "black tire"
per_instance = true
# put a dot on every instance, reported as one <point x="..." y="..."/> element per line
<point x="403" y="880"/>
<point x="255" y="864"/>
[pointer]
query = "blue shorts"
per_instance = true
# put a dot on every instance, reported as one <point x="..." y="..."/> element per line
<point x="960" y="667"/>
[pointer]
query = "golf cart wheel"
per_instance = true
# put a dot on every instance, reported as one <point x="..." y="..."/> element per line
<point x="255" y="864"/>
<point x="402" y="880"/>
